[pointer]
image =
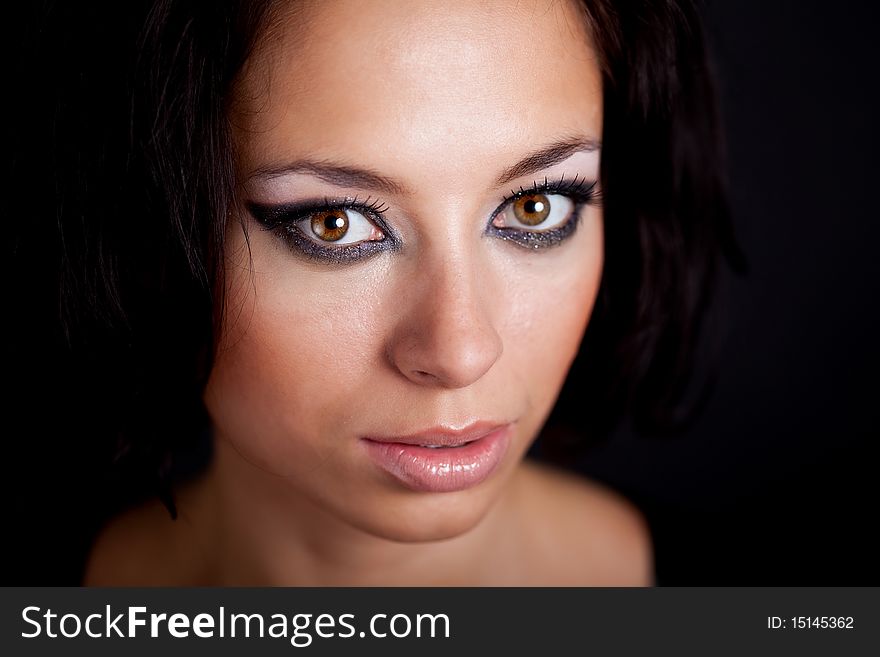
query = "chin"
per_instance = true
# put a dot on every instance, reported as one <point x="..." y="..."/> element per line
<point x="438" y="517"/>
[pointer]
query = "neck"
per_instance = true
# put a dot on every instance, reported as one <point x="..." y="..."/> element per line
<point x="259" y="530"/>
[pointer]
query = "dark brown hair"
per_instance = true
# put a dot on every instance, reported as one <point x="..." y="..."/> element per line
<point x="122" y="167"/>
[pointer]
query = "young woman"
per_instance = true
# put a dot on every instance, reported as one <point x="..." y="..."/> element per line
<point x="359" y="245"/>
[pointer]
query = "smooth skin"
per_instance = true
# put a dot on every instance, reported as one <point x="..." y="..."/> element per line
<point x="442" y="100"/>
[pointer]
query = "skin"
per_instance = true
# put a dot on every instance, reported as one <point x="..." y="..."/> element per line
<point x="454" y="326"/>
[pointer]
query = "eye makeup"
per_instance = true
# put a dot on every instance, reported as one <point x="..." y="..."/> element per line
<point x="580" y="191"/>
<point x="291" y="221"/>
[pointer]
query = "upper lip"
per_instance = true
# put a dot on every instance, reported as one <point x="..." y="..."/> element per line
<point x="444" y="436"/>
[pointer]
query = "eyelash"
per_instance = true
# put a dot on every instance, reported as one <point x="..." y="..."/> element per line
<point x="578" y="189"/>
<point x="283" y="219"/>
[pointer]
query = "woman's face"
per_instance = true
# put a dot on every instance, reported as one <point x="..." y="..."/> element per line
<point x="398" y="285"/>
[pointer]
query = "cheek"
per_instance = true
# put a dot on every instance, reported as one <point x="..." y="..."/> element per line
<point x="552" y="303"/>
<point x="293" y="362"/>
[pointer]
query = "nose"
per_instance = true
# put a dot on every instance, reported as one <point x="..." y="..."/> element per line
<point x="445" y="335"/>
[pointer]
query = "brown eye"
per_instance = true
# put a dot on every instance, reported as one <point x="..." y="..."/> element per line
<point x="339" y="227"/>
<point x="330" y="225"/>
<point x="535" y="213"/>
<point x="532" y="209"/>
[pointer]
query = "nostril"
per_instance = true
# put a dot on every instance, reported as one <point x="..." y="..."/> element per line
<point x="426" y="378"/>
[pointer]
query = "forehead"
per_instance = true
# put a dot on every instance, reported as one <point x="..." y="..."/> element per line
<point x="434" y="86"/>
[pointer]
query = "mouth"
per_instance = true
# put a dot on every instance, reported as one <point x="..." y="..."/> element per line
<point x="442" y="460"/>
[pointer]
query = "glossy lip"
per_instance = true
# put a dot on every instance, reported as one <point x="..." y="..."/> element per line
<point x="460" y="459"/>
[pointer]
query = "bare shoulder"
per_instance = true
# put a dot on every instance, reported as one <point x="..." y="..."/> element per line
<point x="140" y="547"/>
<point x="584" y="533"/>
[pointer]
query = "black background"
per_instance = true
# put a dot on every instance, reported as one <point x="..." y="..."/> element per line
<point x="776" y="482"/>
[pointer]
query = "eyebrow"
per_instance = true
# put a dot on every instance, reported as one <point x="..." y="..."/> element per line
<point x="547" y="157"/>
<point x="336" y="174"/>
<point x="348" y="176"/>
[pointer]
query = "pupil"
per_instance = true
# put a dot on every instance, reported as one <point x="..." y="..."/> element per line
<point x="534" y="206"/>
<point x="330" y="226"/>
<point x="532" y="209"/>
<point x="332" y="223"/>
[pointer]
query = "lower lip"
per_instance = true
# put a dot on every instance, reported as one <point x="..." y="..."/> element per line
<point x="445" y="469"/>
